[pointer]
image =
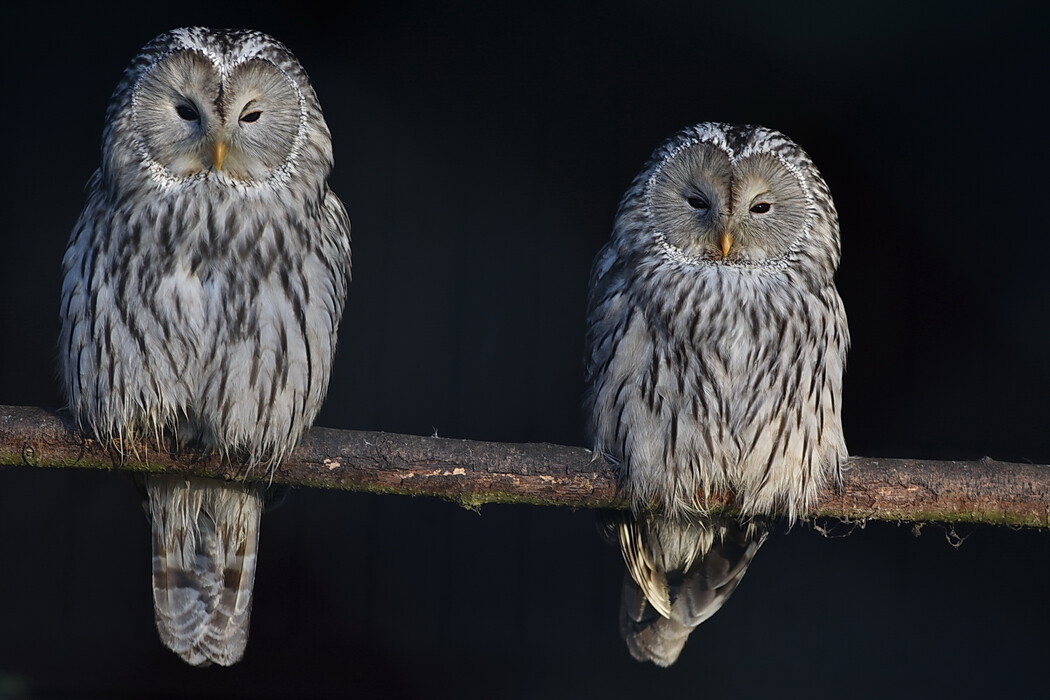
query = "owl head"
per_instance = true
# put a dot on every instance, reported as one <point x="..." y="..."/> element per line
<point x="742" y="197"/>
<point x="229" y="106"/>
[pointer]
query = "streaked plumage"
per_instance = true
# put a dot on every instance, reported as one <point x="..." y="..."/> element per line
<point x="716" y="338"/>
<point x="204" y="284"/>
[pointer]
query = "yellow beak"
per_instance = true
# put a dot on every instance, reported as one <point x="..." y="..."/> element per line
<point x="727" y="243"/>
<point x="220" y="153"/>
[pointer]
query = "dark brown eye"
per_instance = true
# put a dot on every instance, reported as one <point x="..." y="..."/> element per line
<point x="251" y="116"/>
<point x="761" y="208"/>
<point x="697" y="202"/>
<point x="188" y="113"/>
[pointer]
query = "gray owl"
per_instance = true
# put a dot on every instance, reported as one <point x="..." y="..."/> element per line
<point x="716" y="338"/>
<point x="204" y="284"/>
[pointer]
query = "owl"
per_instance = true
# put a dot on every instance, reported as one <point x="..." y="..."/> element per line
<point x="716" y="341"/>
<point x="203" y="287"/>
<point x="716" y="338"/>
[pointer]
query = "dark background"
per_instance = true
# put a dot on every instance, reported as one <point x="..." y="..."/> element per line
<point x="482" y="152"/>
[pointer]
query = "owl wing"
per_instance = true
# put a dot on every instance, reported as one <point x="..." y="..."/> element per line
<point x="335" y="233"/>
<point x="608" y="313"/>
<point x="205" y="539"/>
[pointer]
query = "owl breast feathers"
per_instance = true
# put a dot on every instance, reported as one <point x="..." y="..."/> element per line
<point x="716" y="338"/>
<point x="204" y="284"/>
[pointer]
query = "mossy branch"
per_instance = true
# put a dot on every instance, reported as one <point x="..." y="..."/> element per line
<point x="473" y="473"/>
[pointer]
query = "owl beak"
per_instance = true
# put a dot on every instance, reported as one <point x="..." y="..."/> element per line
<point x="727" y="243"/>
<point x="220" y="153"/>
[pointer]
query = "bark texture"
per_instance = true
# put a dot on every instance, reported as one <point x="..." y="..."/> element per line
<point x="474" y="473"/>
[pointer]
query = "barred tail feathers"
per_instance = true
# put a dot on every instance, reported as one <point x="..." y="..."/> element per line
<point x="205" y="540"/>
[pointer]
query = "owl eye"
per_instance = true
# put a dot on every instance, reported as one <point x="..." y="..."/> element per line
<point x="697" y="202"/>
<point x="188" y="113"/>
<point x="761" y="208"/>
<point x="251" y="116"/>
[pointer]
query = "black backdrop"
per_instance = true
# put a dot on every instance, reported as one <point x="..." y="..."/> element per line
<point x="482" y="152"/>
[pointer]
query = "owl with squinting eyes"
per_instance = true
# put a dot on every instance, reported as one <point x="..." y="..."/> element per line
<point x="203" y="286"/>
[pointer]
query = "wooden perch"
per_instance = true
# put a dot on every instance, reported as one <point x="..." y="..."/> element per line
<point x="473" y="473"/>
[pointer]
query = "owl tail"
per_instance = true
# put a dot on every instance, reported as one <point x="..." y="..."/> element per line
<point x="205" y="538"/>
<point x="679" y="573"/>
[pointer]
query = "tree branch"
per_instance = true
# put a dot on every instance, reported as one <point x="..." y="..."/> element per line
<point x="473" y="473"/>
